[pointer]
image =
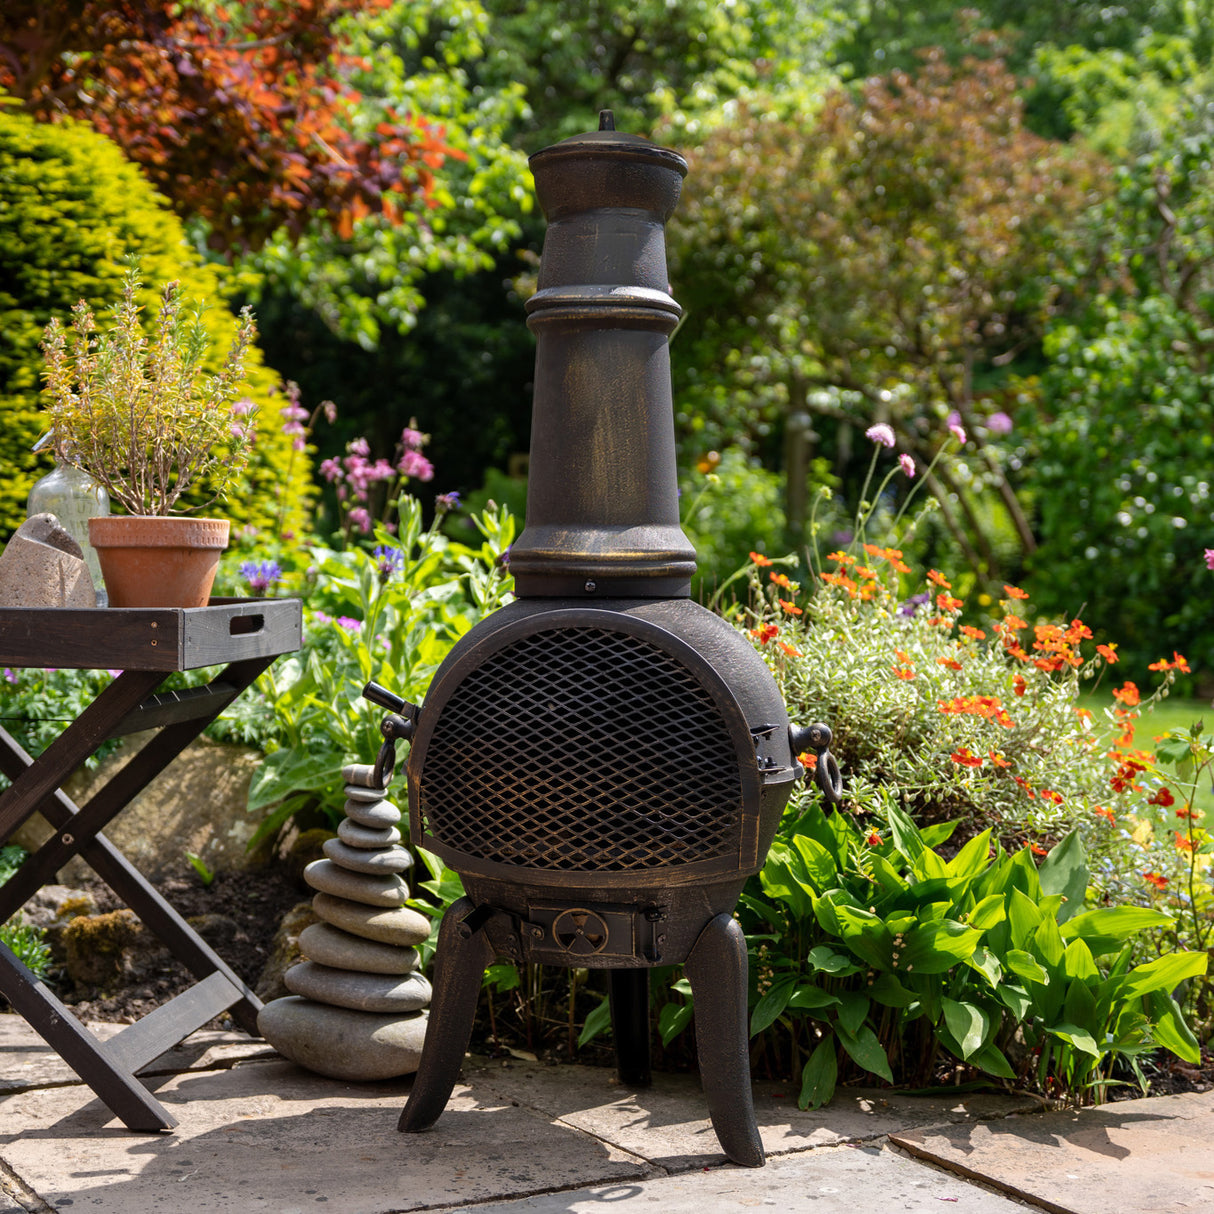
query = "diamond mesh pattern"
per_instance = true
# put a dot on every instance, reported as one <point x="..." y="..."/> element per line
<point x="580" y="749"/>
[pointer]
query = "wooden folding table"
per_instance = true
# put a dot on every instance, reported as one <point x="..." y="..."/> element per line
<point x="242" y="637"/>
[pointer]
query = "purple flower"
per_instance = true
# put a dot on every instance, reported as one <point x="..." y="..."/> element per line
<point x="349" y="623"/>
<point x="999" y="423"/>
<point x="260" y="575"/>
<point x="1210" y="558"/>
<point x="446" y="501"/>
<point x="913" y="604"/>
<point x="388" y="561"/>
<point x="9" y="677"/>
<point x="907" y="464"/>
<point x="881" y="433"/>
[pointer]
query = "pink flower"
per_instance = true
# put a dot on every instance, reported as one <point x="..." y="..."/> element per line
<point x="881" y="433"/>
<point x="412" y="440"/>
<point x="329" y="409"/>
<point x="359" y="446"/>
<point x="360" y="518"/>
<point x="415" y="464"/>
<point x="908" y="464"/>
<point x="999" y="423"/>
<point x="242" y="407"/>
<point x="330" y="469"/>
<point x="956" y="428"/>
<point x="1210" y="558"/>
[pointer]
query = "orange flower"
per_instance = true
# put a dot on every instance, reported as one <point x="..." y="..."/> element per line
<point x="789" y="606"/>
<point x="764" y="633"/>
<point x="788" y="649"/>
<point x="1048" y="794"/>
<point x="1028" y="788"/>
<point x="1127" y="694"/>
<point x="997" y="759"/>
<point x="946" y="602"/>
<point x="1162" y="797"/>
<point x="903" y="672"/>
<point x="937" y="579"/>
<point x="1108" y="652"/>
<point x="781" y="579"/>
<point x="903" y="656"/>
<point x="873" y="839"/>
<point x="1019" y="686"/>
<point x="874" y="550"/>
<point x="865" y="572"/>
<point x="1101" y="812"/>
<point x="841" y="558"/>
<point x="1179" y="663"/>
<point x="964" y="758"/>
<point x="807" y="760"/>
<point x="1014" y="592"/>
<point x="841" y="580"/>
<point x="757" y="558"/>
<point x="1036" y="849"/>
<point x="951" y="663"/>
<point x="988" y="707"/>
<point x="1078" y="631"/>
<point x="1156" y="880"/>
<point x="1013" y="623"/>
<point x="1183" y="842"/>
<point x="974" y="634"/>
<point x="1187" y="812"/>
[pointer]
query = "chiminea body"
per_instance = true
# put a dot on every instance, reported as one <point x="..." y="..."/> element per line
<point x="603" y="761"/>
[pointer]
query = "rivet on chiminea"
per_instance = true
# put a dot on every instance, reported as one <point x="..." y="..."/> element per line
<point x="603" y="761"/>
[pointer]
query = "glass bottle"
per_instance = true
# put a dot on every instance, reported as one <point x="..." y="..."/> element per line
<point x="73" y="498"/>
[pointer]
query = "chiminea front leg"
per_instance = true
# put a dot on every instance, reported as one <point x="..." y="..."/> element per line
<point x="463" y="952"/>
<point x="716" y="969"/>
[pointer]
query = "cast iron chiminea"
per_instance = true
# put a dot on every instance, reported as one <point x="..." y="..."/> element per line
<point x="604" y="762"/>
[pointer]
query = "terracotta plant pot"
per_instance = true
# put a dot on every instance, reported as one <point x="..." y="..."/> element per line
<point x="158" y="562"/>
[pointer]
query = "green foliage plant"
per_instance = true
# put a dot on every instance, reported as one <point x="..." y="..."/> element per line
<point x="27" y="942"/>
<point x="874" y="950"/>
<point x="142" y="419"/>
<point x="391" y="615"/>
<point x="72" y="209"/>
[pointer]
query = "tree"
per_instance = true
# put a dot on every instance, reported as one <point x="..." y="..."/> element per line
<point x="240" y="114"/>
<point x="886" y="262"/>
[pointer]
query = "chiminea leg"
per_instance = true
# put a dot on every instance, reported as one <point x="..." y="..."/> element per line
<point x="716" y="969"/>
<point x="629" y="995"/>
<point x="460" y="959"/>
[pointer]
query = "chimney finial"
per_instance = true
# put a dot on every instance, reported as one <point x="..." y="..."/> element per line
<point x="606" y="120"/>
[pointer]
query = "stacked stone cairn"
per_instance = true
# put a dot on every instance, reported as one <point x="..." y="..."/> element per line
<point x="357" y="1008"/>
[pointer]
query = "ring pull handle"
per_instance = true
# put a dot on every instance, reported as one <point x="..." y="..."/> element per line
<point x="394" y="727"/>
<point x="827" y="776"/>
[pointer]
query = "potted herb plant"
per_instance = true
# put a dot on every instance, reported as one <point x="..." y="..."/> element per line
<point x="144" y="418"/>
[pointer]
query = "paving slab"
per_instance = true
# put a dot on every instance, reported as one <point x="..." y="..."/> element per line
<point x="828" y="1180"/>
<point x="26" y="1060"/>
<point x="1151" y="1156"/>
<point x="668" y="1123"/>
<point x="269" y="1136"/>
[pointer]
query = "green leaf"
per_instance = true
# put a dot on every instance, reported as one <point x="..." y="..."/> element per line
<point x="1025" y="965"/>
<point x="1105" y="929"/>
<point x="853" y="1010"/>
<point x="1170" y="1029"/>
<point x="1015" y="1000"/>
<point x="1023" y="917"/>
<point x="598" y="1021"/>
<point x="935" y="947"/>
<point x="1048" y="940"/>
<point x="818" y="1076"/>
<point x="1078" y="962"/>
<point x="505" y="977"/>
<point x="824" y="958"/>
<point x="1079" y="1006"/>
<point x="1065" y="871"/>
<point x="866" y="1051"/>
<point x="987" y="964"/>
<point x="967" y="1023"/>
<point x="673" y="1019"/>
<point x="1163" y="973"/>
<point x="1076" y="1036"/>
<point x="771" y="1005"/>
<point x="972" y="858"/>
<point x="819" y="864"/>
<point x="991" y="910"/>
<point x="809" y="998"/>
<point x="290" y="770"/>
<point x="887" y="990"/>
<point x="992" y="1060"/>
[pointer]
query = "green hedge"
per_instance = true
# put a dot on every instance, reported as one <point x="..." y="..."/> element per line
<point x="71" y="209"/>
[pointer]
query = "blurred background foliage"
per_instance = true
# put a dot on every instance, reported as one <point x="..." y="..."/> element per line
<point x="998" y="215"/>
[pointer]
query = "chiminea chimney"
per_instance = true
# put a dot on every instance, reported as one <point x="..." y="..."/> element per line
<point x="603" y="761"/>
<point x="602" y="501"/>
